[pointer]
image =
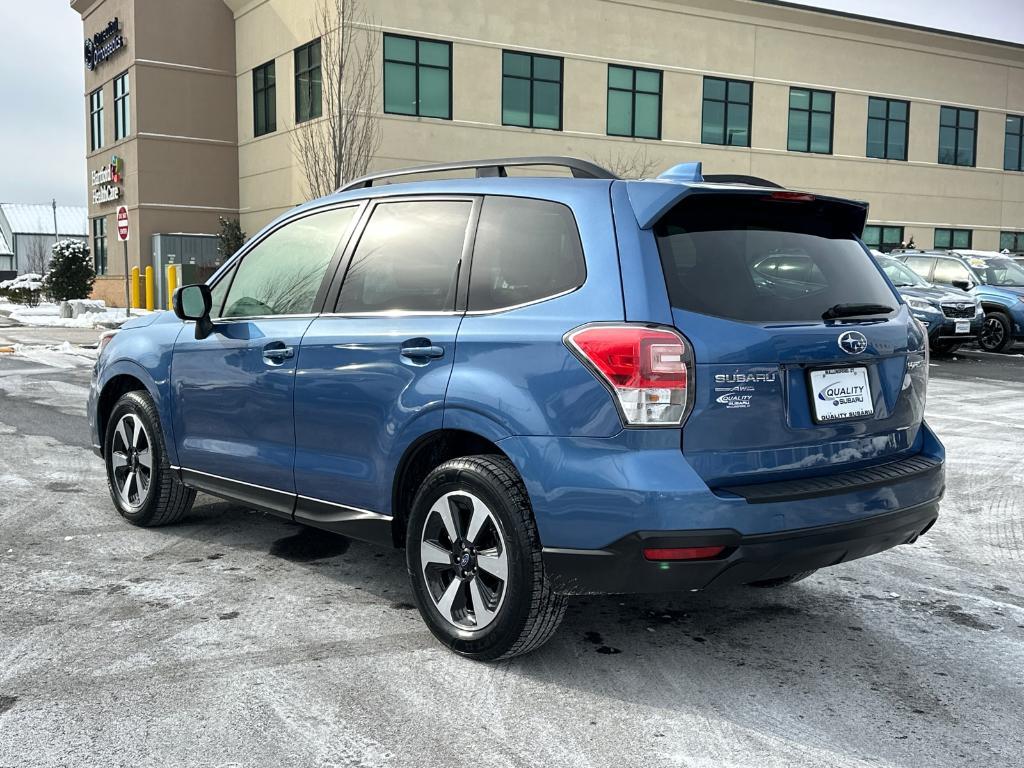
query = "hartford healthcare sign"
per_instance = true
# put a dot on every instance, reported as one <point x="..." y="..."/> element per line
<point x="107" y="181"/>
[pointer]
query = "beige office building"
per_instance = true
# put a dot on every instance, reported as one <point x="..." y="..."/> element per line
<point x="192" y="106"/>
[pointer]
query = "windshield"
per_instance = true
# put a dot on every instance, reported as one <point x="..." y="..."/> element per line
<point x="1001" y="272"/>
<point x="901" y="275"/>
<point x="751" y="259"/>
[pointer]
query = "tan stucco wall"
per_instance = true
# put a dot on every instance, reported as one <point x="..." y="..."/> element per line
<point x="773" y="46"/>
<point x="181" y="155"/>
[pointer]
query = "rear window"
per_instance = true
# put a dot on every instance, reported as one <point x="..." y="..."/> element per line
<point x="757" y="260"/>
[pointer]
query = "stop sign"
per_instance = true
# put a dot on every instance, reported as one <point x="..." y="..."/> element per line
<point x="122" y="223"/>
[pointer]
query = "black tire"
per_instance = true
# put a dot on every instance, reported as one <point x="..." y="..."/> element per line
<point x="782" y="581"/>
<point x="162" y="499"/>
<point x="528" y="611"/>
<point x="940" y="348"/>
<point x="997" y="333"/>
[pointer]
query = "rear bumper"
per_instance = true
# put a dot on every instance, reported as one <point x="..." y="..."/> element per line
<point x="620" y="568"/>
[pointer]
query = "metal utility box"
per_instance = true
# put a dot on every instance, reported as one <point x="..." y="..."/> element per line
<point x="194" y="255"/>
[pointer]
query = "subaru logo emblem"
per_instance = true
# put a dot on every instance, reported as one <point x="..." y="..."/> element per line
<point x="853" y="342"/>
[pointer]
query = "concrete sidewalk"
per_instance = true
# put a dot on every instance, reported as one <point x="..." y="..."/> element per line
<point x="14" y="333"/>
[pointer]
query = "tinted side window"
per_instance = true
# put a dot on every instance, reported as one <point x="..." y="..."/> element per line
<point x="282" y="274"/>
<point x="408" y="258"/>
<point x="920" y="264"/>
<point x="948" y="270"/>
<point x="525" y="250"/>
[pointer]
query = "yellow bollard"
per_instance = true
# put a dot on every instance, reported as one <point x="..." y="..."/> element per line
<point x="150" y="290"/>
<point x="135" y="288"/>
<point x="172" y="283"/>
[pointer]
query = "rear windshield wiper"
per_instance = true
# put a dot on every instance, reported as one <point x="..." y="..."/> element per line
<point x="855" y="310"/>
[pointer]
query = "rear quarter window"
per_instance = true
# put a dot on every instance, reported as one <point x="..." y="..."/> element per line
<point x="757" y="260"/>
<point x="526" y="250"/>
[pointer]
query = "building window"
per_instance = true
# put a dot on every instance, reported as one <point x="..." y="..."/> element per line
<point x="634" y="102"/>
<point x="264" y="99"/>
<point x="883" y="239"/>
<point x="726" y="112"/>
<point x="950" y="239"/>
<point x="1013" y="151"/>
<point x="308" y="82"/>
<point x="99" y="245"/>
<point x="531" y="90"/>
<point x="810" y="120"/>
<point x="1011" y="241"/>
<point x="96" y="119"/>
<point x="122" y="107"/>
<point x="888" y="124"/>
<point x="417" y="77"/>
<point x="957" y="136"/>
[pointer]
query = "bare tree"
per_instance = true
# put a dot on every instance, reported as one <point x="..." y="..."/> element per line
<point x="338" y="147"/>
<point x="626" y="164"/>
<point x="37" y="256"/>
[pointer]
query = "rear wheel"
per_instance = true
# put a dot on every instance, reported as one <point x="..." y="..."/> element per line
<point x="945" y="347"/>
<point x="142" y="485"/>
<point x="782" y="581"/>
<point x="474" y="559"/>
<point x="997" y="333"/>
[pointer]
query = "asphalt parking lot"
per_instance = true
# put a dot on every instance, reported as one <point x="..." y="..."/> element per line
<point x="237" y="639"/>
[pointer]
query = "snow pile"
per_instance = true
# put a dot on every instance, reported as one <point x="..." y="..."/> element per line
<point x="84" y="313"/>
<point x="64" y="355"/>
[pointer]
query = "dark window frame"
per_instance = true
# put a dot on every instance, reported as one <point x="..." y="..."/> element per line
<point x="811" y="111"/>
<point x="417" y="64"/>
<point x="884" y="244"/>
<point x="959" y="112"/>
<point x="122" y="107"/>
<point x="633" y="92"/>
<point x="307" y="71"/>
<point x="96" y="120"/>
<point x="952" y="236"/>
<point x="886" y="154"/>
<point x="1010" y="136"/>
<point x="99" y="244"/>
<point x="531" y="80"/>
<point x="268" y="95"/>
<point x="1018" y="241"/>
<point x="725" y="118"/>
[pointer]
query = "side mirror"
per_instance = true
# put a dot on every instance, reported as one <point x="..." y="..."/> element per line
<point x="963" y="285"/>
<point x="193" y="302"/>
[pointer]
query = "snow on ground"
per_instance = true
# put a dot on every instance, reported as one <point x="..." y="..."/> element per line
<point x="65" y="355"/>
<point x="48" y="314"/>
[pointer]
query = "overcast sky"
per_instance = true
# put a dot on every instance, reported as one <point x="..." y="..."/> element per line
<point x="42" y="110"/>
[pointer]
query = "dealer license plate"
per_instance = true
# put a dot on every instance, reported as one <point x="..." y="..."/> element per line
<point x="963" y="326"/>
<point x="841" y="393"/>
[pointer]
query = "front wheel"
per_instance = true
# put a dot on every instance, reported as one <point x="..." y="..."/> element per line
<point x="474" y="559"/>
<point x="142" y="484"/>
<point x="997" y="333"/>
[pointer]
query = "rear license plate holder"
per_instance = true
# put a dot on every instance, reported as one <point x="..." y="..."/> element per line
<point x="840" y="394"/>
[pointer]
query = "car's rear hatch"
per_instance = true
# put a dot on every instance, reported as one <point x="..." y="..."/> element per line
<point x="806" y="361"/>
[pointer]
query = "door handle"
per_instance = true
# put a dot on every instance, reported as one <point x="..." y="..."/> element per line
<point x="423" y="351"/>
<point x="277" y="353"/>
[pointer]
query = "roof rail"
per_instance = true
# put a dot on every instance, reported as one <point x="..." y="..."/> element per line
<point x="754" y="181"/>
<point x="581" y="169"/>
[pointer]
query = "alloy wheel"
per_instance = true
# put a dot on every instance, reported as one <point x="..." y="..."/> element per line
<point x="131" y="461"/>
<point x="464" y="560"/>
<point x="992" y="334"/>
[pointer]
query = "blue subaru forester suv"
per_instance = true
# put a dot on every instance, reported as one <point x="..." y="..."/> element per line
<point x="541" y="387"/>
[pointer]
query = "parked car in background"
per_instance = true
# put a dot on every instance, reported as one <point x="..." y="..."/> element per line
<point x="996" y="280"/>
<point x="541" y="387"/>
<point x="952" y="316"/>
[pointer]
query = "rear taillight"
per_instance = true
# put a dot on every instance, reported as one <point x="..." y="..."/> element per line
<point x="681" y="553"/>
<point x="646" y="368"/>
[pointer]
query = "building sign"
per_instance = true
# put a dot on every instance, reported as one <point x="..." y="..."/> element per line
<point x="106" y="182"/>
<point x="104" y="44"/>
